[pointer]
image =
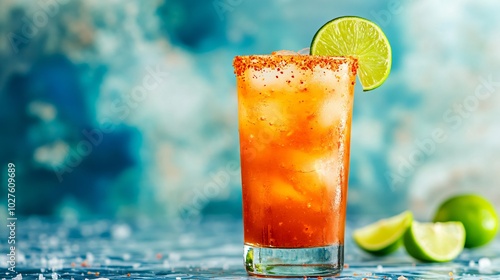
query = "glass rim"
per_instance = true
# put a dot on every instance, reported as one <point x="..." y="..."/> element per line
<point x="296" y="55"/>
<point x="258" y="62"/>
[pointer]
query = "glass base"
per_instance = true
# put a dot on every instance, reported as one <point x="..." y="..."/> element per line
<point x="292" y="262"/>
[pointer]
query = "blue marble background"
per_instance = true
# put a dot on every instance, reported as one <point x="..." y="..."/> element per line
<point x="127" y="109"/>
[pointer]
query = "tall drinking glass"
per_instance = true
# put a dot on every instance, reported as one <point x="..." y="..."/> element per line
<point x="294" y="126"/>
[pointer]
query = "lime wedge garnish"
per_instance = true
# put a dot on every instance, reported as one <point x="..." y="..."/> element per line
<point x="359" y="38"/>
<point x="435" y="242"/>
<point x="477" y="214"/>
<point x="384" y="236"/>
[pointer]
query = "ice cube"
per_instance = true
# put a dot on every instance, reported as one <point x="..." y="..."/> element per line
<point x="300" y="161"/>
<point x="284" y="192"/>
<point x="304" y="51"/>
<point x="264" y="122"/>
<point x="274" y="79"/>
<point x="312" y="171"/>
<point x="273" y="114"/>
<point x="333" y="111"/>
<point x="284" y="52"/>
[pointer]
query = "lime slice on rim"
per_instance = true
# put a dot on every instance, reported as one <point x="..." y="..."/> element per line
<point x="384" y="236"/>
<point x="359" y="38"/>
<point x="435" y="242"/>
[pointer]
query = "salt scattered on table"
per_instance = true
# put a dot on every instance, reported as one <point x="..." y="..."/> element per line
<point x="126" y="256"/>
<point x="484" y="262"/>
<point x="121" y="231"/>
<point x="484" y="265"/>
<point x="89" y="257"/>
<point x="174" y="257"/>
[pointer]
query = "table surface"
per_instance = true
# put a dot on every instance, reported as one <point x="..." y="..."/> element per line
<point x="207" y="250"/>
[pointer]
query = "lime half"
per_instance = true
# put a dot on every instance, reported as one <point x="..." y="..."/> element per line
<point x="359" y="38"/>
<point x="385" y="236"/>
<point x="435" y="242"/>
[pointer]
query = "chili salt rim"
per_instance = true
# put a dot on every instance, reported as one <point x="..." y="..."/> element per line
<point x="303" y="62"/>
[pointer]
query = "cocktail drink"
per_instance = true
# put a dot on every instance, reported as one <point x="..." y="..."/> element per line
<point x="295" y="116"/>
<point x="294" y="126"/>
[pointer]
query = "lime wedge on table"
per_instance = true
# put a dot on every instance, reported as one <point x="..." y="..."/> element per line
<point x="435" y="242"/>
<point x="359" y="38"/>
<point x="385" y="236"/>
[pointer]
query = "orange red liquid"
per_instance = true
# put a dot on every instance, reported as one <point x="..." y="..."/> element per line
<point x="294" y="124"/>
